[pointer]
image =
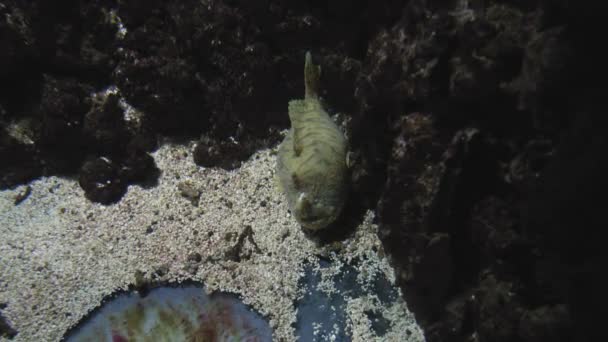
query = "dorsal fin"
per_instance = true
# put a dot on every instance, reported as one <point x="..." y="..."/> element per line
<point x="312" y="73"/>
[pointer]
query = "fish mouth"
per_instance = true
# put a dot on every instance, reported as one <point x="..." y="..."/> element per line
<point x="316" y="223"/>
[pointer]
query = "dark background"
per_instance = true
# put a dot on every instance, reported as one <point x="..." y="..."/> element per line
<point x="478" y="130"/>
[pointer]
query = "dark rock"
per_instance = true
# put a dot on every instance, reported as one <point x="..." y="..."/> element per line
<point x="547" y="323"/>
<point x="546" y="69"/>
<point x="432" y="272"/>
<point x="18" y="65"/>
<point x="496" y="233"/>
<point x="456" y="322"/>
<point x="587" y="298"/>
<point x="139" y="168"/>
<point x="105" y="127"/>
<point x="339" y="81"/>
<point x="22" y="195"/>
<point x="569" y="188"/>
<point x="100" y="179"/>
<point x="411" y="185"/>
<point x="222" y="76"/>
<point x="51" y="56"/>
<point x="18" y="162"/>
<point x="75" y="38"/>
<point x="62" y="108"/>
<point x="564" y="217"/>
<point x="6" y="330"/>
<point x="498" y="310"/>
<point x="143" y="141"/>
<point x="430" y="190"/>
<point x="225" y="154"/>
<point x="527" y="164"/>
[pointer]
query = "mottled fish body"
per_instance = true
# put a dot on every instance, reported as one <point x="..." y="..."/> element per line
<point x="311" y="162"/>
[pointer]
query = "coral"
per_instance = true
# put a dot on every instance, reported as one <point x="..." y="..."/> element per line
<point x="172" y="314"/>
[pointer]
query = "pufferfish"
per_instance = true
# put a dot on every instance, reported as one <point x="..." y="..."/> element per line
<point x="311" y="161"/>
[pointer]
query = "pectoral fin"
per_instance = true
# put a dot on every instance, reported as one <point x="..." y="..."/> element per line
<point x="303" y="205"/>
<point x="350" y="159"/>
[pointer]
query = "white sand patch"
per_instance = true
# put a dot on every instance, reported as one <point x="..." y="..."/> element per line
<point x="60" y="254"/>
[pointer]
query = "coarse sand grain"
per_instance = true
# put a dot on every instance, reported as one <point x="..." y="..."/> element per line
<point x="60" y="254"/>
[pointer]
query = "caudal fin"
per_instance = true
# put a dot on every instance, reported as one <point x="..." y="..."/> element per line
<point x="311" y="78"/>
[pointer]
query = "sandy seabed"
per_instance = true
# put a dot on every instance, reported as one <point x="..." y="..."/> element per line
<point x="60" y="254"/>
